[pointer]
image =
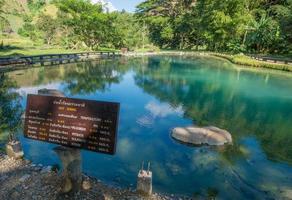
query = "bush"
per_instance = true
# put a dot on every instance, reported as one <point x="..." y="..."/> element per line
<point x="29" y="30"/>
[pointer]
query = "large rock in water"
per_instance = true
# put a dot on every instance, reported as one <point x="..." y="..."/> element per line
<point x="209" y="135"/>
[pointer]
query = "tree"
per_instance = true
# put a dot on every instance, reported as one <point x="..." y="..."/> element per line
<point x="49" y="26"/>
<point x="4" y="23"/>
<point x="264" y="34"/>
<point x="36" y="5"/>
<point x="30" y="30"/>
<point x="219" y="25"/>
<point x="87" y="21"/>
<point x="127" y="32"/>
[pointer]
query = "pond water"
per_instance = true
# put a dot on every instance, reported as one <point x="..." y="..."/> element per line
<point x="162" y="92"/>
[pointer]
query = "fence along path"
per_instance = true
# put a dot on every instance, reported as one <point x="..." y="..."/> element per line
<point x="11" y="63"/>
<point x="272" y="60"/>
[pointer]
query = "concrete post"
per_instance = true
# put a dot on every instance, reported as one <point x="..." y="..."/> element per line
<point x="70" y="159"/>
<point x="72" y="172"/>
<point x="14" y="150"/>
<point x="144" y="182"/>
<point x="42" y="60"/>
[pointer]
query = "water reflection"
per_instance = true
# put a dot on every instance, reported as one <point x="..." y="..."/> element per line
<point x="10" y="110"/>
<point x="160" y="93"/>
<point x="212" y="95"/>
<point x="85" y="79"/>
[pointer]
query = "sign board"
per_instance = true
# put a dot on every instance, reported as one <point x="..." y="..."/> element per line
<point x="85" y="124"/>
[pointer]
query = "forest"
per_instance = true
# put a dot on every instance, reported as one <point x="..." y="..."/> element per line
<point x="247" y="26"/>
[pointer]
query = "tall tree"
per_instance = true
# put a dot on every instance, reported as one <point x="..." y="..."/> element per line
<point x="87" y="20"/>
<point x="49" y="26"/>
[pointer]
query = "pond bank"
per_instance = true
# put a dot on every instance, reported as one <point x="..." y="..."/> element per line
<point x="21" y="62"/>
<point x="235" y="59"/>
<point x="14" y="63"/>
<point x="20" y="179"/>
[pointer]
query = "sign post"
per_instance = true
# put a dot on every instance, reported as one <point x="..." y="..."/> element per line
<point x="74" y="124"/>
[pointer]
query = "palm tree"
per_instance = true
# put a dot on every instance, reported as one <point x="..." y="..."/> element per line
<point x="263" y="33"/>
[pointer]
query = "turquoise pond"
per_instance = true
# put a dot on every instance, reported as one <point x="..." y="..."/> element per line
<point x="162" y="92"/>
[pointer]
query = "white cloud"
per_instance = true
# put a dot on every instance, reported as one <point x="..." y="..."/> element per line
<point x="107" y="5"/>
<point x="163" y="109"/>
<point x="24" y="91"/>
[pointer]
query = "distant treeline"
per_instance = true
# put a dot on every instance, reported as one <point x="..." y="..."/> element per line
<point x="262" y="26"/>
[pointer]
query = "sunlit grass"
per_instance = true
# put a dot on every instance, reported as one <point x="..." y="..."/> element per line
<point x="18" y="46"/>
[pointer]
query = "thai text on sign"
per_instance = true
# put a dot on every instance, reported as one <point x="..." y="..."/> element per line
<point x="85" y="124"/>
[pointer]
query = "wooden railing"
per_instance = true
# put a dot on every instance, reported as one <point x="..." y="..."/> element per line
<point x="272" y="60"/>
<point x="51" y="59"/>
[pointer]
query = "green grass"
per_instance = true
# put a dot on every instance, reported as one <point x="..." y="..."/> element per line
<point x="18" y="46"/>
<point x="34" y="51"/>
<point x="245" y="60"/>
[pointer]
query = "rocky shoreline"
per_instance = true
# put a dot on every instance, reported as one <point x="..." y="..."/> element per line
<point x="21" y="179"/>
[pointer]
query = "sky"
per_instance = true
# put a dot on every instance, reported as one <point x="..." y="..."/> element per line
<point x="128" y="5"/>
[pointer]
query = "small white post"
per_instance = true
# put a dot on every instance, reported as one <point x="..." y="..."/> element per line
<point x="144" y="182"/>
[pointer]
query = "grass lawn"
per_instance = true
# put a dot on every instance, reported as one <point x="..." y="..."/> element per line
<point x="34" y="51"/>
<point x="16" y="46"/>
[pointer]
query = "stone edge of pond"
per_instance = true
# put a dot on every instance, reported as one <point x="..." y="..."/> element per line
<point x="21" y="179"/>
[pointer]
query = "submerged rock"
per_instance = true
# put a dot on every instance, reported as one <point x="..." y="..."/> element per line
<point x="209" y="135"/>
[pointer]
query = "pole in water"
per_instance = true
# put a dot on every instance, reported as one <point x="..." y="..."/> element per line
<point x="142" y="167"/>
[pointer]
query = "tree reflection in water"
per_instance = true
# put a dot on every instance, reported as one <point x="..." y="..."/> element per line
<point x="89" y="77"/>
<point x="10" y="109"/>
<point x="222" y="103"/>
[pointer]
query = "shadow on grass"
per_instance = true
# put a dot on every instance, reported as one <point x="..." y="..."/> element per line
<point x="8" y="50"/>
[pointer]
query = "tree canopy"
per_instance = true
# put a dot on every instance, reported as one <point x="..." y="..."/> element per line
<point x="219" y="25"/>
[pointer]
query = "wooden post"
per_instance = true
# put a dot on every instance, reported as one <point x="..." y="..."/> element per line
<point x="42" y="60"/>
<point x="60" y="59"/>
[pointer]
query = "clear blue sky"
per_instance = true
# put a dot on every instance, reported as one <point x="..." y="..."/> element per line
<point x="128" y="5"/>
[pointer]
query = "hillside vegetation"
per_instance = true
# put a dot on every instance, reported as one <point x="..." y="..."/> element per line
<point x="249" y="26"/>
<point x="43" y="26"/>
